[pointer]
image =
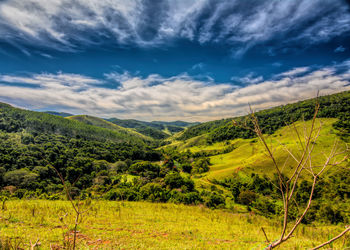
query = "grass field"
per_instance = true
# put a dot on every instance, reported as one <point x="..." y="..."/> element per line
<point x="249" y="155"/>
<point x="141" y="225"/>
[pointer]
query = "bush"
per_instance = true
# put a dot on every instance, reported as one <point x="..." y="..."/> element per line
<point x="174" y="180"/>
<point x="201" y="166"/>
<point x="20" y="178"/>
<point x="192" y="198"/>
<point x="121" y="194"/>
<point x="247" y="197"/>
<point x="153" y="192"/>
<point x="265" y="205"/>
<point x="215" y="200"/>
<point x="187" y="168"/>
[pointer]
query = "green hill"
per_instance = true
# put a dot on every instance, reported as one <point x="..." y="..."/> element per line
<point x="217" y="164"/>
<point x="331" y="106"/>
<point x="98" y="122"/>
<point x="155" y="129"/>
<point x="17" y="120"/>
<point x="63" y="114"/>
<point x="29" y="140"/>
<point x="248" y="156"/>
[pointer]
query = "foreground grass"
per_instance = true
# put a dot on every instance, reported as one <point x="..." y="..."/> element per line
<point x="135" y="225"/>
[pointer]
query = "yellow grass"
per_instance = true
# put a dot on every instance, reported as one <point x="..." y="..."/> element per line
<point x="141" y="225"/>
<point x="250" y="156"/>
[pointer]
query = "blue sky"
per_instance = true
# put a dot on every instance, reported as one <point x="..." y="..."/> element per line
<point x="171" y="59"/>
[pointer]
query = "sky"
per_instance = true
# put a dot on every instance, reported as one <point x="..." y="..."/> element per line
<point x="191" y="60"/>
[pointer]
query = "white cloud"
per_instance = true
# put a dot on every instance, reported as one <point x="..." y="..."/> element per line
<point x="53" y="81"/>
<point x="248" y="79"/>
<point x="198" y="66"/>
<point x="295" y="71"/>
<point x="159" y="98"/>
<point x="70" y="25"/>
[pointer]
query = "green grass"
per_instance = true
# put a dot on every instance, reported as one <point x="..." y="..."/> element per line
<point x="249" y="156"/>
<point x="136" y="225"/>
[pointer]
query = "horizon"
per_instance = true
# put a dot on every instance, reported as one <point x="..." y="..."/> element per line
<point x="191" y="61"/>
<point x="150" y="121"/>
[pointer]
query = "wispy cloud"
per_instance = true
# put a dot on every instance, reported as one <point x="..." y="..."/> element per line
<point x="339" y="49"/>
<point x="53" y="81"/>
<point x="159" y="98"/>
<point x="198" y="66"/>
<point x="71" y="25"/>
<point x="250" y="78"/>
<point x="295" y="72"/>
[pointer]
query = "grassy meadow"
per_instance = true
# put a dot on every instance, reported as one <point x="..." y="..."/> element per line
<point x="249" y="156"/>
<point x="142" y="225"/>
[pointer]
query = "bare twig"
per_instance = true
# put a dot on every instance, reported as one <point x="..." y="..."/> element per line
<point x="32" y="246"/>
<point x="334" y="239"/>
<point x="267" y="240"/>
<point x="76" y="207"/>
<point x="287" y="185"/>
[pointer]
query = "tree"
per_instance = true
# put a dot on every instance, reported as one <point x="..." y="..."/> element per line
<point x="304" y="168"/>
<point x="20" y="177"/>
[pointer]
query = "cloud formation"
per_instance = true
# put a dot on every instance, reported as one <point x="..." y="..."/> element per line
<point x="339" y="49"/>
<point x="248" y="79"/>
<point x="159" y="98"/>
<point x="71" y="25"/>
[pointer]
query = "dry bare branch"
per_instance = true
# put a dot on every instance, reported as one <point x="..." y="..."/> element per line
<point x="287" y="185"/>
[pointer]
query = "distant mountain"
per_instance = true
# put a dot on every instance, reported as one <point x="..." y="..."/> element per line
<point x="63" y="114"/>
<point x="154" y="129"/>
<point x="177" y="123"/>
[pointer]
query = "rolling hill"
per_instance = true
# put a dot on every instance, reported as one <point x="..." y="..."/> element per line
<point x="248" y="155"/>
<point x="211" y="163"/>
<point x="63" y="114"/>
<point x="155" y="129"/>
<point x="331" y="106"/>
<point x="99" y="122"/>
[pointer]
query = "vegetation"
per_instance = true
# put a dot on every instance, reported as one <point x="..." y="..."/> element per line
<point x="218" y="165"/>
<point x="156" y="130"/>
<point x="303" y="167"/>
<point x="331" y="106"/>
<point x="63" y="114"/>
<point x="98" y="122"/>
<point x="143" y="225"/>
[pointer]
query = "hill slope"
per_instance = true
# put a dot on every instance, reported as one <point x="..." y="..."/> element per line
<point x="331" y="106"/>
<point x="16" y="120"/>
<point x="63" y="114"/>
<point x="248" y="155"/>
<point x="98" y="122"/>
<point x="155" y="129"/>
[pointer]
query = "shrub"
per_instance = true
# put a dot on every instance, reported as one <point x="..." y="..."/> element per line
<point x="247" y="197"/>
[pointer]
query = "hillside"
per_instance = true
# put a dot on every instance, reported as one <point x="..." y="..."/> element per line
<point x="239" y="167"/>
<point x="17" y="120"/>
<point x="247" y="156"/>
<point x="331" y="106"/>
<point x="63" y="114"/>
<point x="98" y="122"/>
<point x="30" y="140"/>
<point x="106" y="161"/>
<point x="155" y="129"/>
